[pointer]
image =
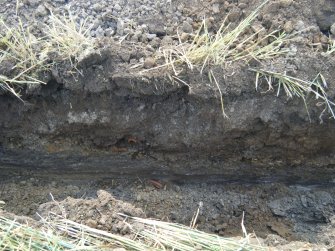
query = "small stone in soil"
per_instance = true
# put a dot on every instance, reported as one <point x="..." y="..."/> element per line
<point x="332" y="29"/>
<point x="187" y="27"/>
<point x="149" y="62"/>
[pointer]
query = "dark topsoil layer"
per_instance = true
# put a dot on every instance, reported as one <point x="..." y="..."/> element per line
<point x="114" y="120"/>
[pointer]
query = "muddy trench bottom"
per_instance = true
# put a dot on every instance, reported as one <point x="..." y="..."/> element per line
<point x="276" y="212"/>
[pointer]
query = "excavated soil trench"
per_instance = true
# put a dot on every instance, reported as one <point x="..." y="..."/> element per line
<point x="169" y="154"/>
<point x="162" y="144"/>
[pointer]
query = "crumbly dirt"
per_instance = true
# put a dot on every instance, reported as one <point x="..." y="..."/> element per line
<point x="276" y="213"/>
<point x="161" y="144"/>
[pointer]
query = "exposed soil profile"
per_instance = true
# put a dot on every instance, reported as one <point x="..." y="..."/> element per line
<point x="161" y="109"/>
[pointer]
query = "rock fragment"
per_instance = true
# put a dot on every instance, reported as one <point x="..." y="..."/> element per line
<point x="149" y="62"/>
<point x="187" y="27"/>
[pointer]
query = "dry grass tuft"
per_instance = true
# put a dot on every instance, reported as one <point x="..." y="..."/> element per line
<point x="62" y="234"/>
<point x="171" y="236"/>
<point x="68" y="39"/>
<point x="225" y="47"/>
<point x="27" y="56"/>
<point x="295" y="87"/>
<point x="331" y="47"/>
